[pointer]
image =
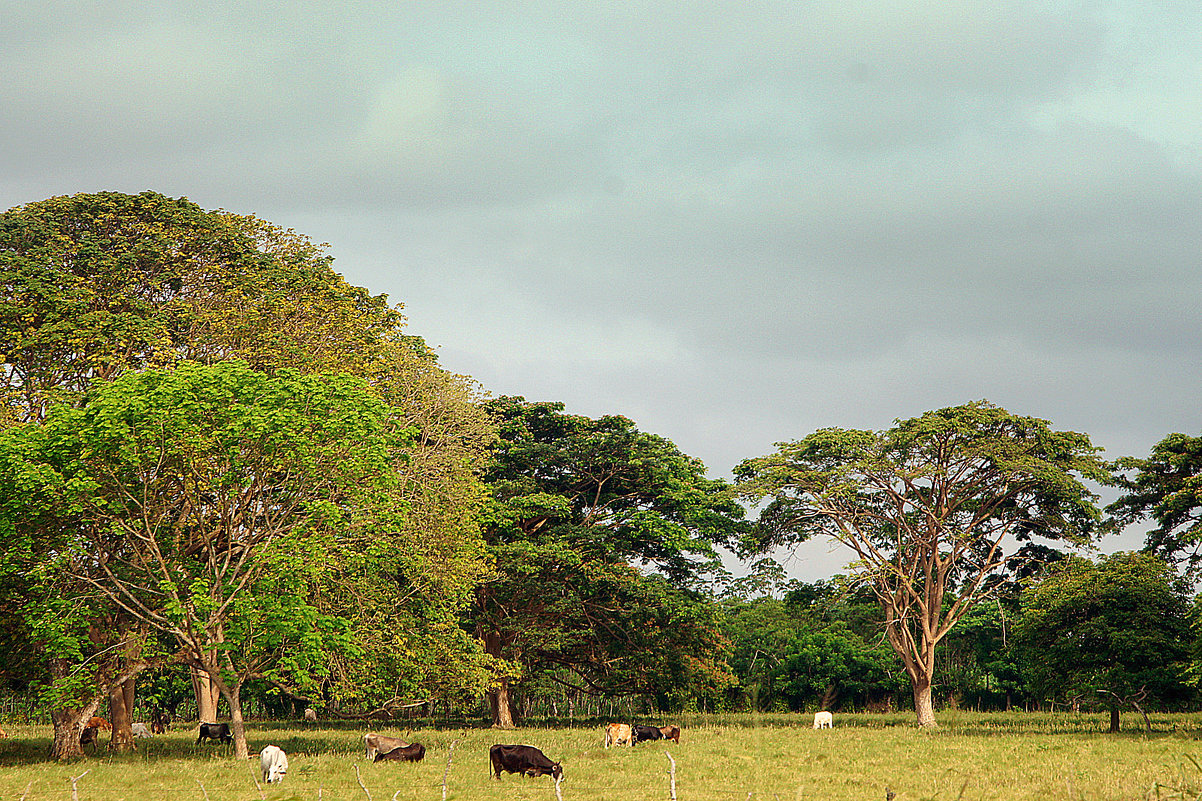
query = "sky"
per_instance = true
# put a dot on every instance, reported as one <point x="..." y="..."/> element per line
<point x="733" y="222"/>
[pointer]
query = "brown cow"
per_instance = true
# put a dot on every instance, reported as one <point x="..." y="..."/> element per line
<point x="524" y="759"/>
<point x="414" y="752"/>
<point x="379" y="744"/>
<point x="88" y="736"/>
<point x="671" y="733"/>
<point x="100" y="723"/>
<point x="620" y="734"/>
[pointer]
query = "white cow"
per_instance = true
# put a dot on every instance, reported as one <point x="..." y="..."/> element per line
<point x="274" y="762"/>
<point x="823" y="720"/>
<point x="139" y="730"/>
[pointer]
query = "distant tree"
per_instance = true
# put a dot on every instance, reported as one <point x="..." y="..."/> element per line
<point x="926" y="507"/>
<point x="1166" y="487"/>
<point x="826" y="665"/>
<point x="1113" y="633"/>
<point x="602" y="536"/>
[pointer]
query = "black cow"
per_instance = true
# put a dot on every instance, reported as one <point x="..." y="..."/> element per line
<point x="88" y="736"/>
<point x="524" y="759"/>
<point x="215" y="731"/>
<point x="413" y="752"/>
<point x="160" y="722"/>
<point x="642" y="733"/>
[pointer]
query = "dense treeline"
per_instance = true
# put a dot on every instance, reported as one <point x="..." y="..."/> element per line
<point x="230" y="481"/>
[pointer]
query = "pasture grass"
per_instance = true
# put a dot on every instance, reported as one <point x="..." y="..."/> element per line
<point x="720" y="758"/>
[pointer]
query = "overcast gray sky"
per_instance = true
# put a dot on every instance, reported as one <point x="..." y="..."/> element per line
<point x="734" y="222"/>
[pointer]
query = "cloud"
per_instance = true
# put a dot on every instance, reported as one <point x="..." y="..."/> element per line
<point x="734" y="221"/>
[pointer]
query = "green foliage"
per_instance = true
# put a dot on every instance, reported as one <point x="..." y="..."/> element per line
<point x="96" y="285"/>
<point x="926" y="506"/>
<point x="1166" y="486"/>
<point x="206" y="501"/>
<point x="1106" y="632"/>
<point x="600" y="532"/>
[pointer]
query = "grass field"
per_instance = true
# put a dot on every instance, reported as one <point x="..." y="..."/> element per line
<point x="720" y="758"/>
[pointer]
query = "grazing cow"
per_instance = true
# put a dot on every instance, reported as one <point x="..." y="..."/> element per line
<point x="139" y="730"/>
<point x="414" y="752"/>
<point x="671" y="733"/>
<point x="274" y="762"/>
<point x="88" y="736"/>
<point x="310" y="715"/>
<point x="100" y="723"/>
<point x="618" y="733"/>
<point x="215" y="731"/>
<point x="823" y="720"/>
<point x="160" y="722"/>
<point x="642" y="733"/>
<point x="524" y="759"/>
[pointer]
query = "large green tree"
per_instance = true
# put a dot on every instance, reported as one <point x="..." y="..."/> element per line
<point x="602" y="536"/>
<point x="99" y="284"/>
<point x="1166" y="487"/>
<point x="926" y="507"/>
<point x="1112" y="634"/>
<point x="203" y="500"/>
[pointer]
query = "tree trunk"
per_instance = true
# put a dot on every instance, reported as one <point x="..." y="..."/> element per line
<point x="233" y="697"/>
<point x="924" y="706"/>
<point x="122" y="738"/>
<point x="1114" y="720"/>
<point x="502" y="709"/>
<point x="206" y="696"/>
<point x="68" y="726"/>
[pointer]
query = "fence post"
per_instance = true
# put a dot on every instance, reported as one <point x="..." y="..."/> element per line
<point x="671" y="776"/>
<point x="445" y="773"/>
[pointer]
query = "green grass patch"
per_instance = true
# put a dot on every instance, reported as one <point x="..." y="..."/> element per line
<point x="1012" y="756"/>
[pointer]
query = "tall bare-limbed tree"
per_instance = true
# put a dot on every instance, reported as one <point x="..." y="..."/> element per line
<point x="927" y="507"/>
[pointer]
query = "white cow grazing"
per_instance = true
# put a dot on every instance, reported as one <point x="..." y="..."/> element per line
<point x="274" y="762"/>
<point x="139" y="730"/>
<point x="823" y="720"/>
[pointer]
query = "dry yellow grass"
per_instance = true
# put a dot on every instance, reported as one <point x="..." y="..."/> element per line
<point x="720" y="758"/>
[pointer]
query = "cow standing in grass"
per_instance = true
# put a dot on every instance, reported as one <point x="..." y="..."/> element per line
<point x="524" y="759"/>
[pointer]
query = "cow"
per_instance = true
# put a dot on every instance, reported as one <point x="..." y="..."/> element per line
<point x="643" y="733"/>
<point x="160" y="722"/>
<point x="274" y="762"/>
<point x="88" y="736"/>
<point x="671" y="733"/>
<point x="215" y="731"/>
<point x="618" y="733"/>
<point x="139" y="730"/>
<point x="379" y="744"/>
<point x="414" y="752"/>
<point x="524" y="759"/>
<point x="823" y="720"/>
<point x="100" y="723"/>
<point x="310" y="715"/>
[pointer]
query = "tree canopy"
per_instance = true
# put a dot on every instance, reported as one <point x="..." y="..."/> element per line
<point x="599" y="531"/>
<point x="926" y="506"/>
<point x="1166" y="487"/>
<point x="98" y="285"/>
<point x="1111" y="633"/>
